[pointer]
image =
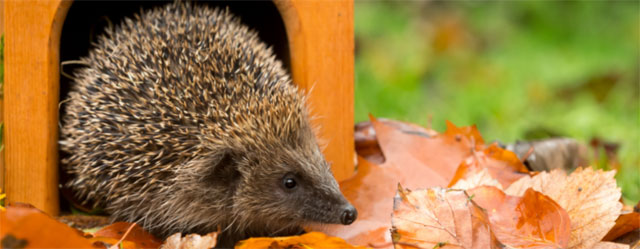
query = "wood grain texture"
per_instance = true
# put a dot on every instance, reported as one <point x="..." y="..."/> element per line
<point x="1" y="106"/>
<point x="31" y="99"/>
<point x="321" y="43"/>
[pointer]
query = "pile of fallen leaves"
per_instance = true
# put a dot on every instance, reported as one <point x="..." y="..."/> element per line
<point x="451" y="190"/>
<point x="415" y="188"/>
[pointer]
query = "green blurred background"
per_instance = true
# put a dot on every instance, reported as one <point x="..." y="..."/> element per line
<point x="518" y="69"/>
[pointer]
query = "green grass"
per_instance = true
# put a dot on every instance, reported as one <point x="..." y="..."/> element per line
<point x="517" y="69"/>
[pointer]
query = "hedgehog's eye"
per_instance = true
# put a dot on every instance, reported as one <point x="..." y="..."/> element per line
<point x="289" y="182"/>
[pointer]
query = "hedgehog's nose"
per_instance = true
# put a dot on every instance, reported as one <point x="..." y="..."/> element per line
<point x="349" y="214"/>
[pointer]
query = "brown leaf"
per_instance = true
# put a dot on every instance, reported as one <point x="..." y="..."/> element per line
<point x="531" y="221"/>
<point x="24" y="226"/>
<point x="552" y="153"/>
<point x="366" y="143"/>
<point x="609" y="245"/>
<point x="191" y="241"/>
<point x="440" y="218"/>
<point x="624" y="224"/>
<point x="82" y="222"/>
<point x="503" y="165"/>
<point x="631" y="238"/>
<point x="305" y="241"/>
<point x="589" y="197"/>
<point x="137" y="237"/>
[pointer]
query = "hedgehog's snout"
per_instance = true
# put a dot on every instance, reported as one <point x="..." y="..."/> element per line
<point x="349" y="214"/>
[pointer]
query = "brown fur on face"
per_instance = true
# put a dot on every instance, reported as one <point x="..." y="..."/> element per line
<point x="184" y="121"/>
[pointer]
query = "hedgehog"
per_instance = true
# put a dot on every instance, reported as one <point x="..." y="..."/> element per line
<point x="183" y="121"/>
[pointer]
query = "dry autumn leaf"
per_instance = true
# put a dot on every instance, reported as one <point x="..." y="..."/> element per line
<point x="191" y="241"/>
<point x="590" y="198"/>
<point x="370" y="192"/>
<point x="137" y="237"/>
<point x="422" y="156"/>
<point x="479" y="178"/>
<point x="609" y="245"/>
<point x="440" y="218"/>
<point x="305" y="241"/>
<point x="624" y="224"/>
<point x="553" y="153"/>
<point x="367" y="144"/>
<point x="531" y="221"/>
<point x="503" y="165"/>
<point x="24" y="226"/>
<point x="413" y="159"/>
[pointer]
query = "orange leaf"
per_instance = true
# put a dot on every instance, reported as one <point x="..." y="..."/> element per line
<point x="589" y="197"/>
<point x="503" y="165"/>
<point x="305" y="241"/>
<point x="421" y="157"/>
<point x="440" y="218"/>
<point x="371" y="193"/>
<point x="367" y="144"/>
<point x="138" y="237"/>
<point x="531" y="221"/>
<point x="413" y="157"/>
<point x="469" y="133"/>
<point x="27" y="227"/>
<point x="624" y="224"/>
<point x="104" y="242"/>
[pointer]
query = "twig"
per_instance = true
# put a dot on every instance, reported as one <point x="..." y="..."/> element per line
<point x="115" y="246"/>
<point x="529" y="152"/>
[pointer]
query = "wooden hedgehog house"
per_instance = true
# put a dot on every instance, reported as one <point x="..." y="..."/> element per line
<point x="314" y="38"/>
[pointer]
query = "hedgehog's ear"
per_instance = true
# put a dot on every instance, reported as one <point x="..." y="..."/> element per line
<point x="224" y="169"/>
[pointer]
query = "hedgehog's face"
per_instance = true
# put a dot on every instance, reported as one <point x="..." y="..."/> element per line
<point x="287" y="187"/>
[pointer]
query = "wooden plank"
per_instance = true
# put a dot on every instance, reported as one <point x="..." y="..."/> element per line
<point x="321" y="42"/>
<point x="31" y="96"/>
<point x="1" y="106"/>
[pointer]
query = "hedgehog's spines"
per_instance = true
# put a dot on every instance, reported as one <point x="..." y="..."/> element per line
<point x="165" y="97"/>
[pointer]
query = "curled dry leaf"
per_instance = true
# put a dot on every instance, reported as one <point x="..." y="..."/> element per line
<point x="305" y="241"/>
<point x="413" y="159"/>
<point x="440" y="218"/>
<point x="552" y="153"/>
<point x="24" y="226"/>
<point x="191" y="241"/>
<point x="632" y="239"/>
<point x="624" y="224"/>
<point x="503" y="165"/>
<point x="531" y="221"/>
<point x="366" y="143"/>
<point x="589" y="197"/>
